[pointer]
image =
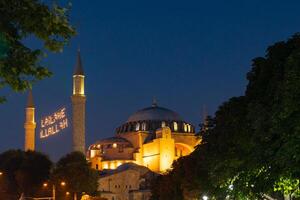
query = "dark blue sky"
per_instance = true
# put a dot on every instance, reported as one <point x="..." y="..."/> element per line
<point x="186" y="53"/>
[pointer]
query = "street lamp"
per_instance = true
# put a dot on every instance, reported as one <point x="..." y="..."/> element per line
<point x="1" y="173"/>
<point x="205" y="197"/>
<point x="54" y="188"/>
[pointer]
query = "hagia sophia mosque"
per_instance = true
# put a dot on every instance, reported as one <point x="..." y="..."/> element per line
<point x="152" y="137"/>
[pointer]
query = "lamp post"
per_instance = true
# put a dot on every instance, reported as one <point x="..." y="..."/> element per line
<point x="54" y="188"/>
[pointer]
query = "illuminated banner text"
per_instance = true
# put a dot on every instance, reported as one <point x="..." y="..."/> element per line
<point x="53" y="124"/>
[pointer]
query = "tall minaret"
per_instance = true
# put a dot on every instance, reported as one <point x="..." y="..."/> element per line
<point x="29" y="124"/>
<point x="78" y="105"/>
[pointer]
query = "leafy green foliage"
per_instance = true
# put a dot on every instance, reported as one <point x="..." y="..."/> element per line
<point x="20" y="66"/>
<point x="252" y="149"/>
<point x="77" y="173"/>
<point x="23" y="172"/>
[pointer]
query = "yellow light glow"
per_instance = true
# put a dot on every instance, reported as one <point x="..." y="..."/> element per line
<point x="67" y="193"/>
<point x="1" y="173"/>
<point x="63" y="183"/>
<point x="45" y="185"/>
<point x="112" y="165"/>
<point x="119" y="163"/>
<point x="115" y="145"/>
<point x="175" y="126"/>
<point x="105" y="166"/>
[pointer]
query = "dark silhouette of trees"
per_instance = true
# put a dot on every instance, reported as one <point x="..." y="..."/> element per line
<point x="22" y="172"/>
<point x="252" y="148"/>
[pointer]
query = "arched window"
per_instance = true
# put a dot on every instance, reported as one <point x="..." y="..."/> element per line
<point x="185" y="127"/>
<point x="163" y="124"/>
<point x="175" y="125"/>
<point x="189" y="128"/>
<point x="143" y="126"/>
<point x="137" y="127"/>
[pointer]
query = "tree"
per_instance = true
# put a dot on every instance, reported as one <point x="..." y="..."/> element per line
<point x="77" y="173"/>
<point x="20" y="65"/>
<point x="252" y="150"/>
<point x="22" y="172"/>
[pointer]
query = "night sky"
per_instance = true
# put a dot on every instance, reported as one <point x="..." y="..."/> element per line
<point x="185" y="53"/>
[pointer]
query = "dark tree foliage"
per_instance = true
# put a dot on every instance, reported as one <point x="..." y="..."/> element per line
<point x="77" y="173"/>
<point x="22" y="172"/>
<point x="252" y="149"/>
<point x="20" y="65"/>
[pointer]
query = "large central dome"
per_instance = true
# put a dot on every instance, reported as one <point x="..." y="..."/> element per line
<point x="154" y="113"/>
<point x="152" y="118"/>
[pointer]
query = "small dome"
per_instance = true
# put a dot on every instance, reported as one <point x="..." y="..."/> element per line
<point x="154" y="113"/>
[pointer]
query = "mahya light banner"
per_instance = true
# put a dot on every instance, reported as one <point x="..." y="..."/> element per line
<point x="54" y="123"/>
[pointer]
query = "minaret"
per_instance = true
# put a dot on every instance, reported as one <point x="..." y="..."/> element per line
<point x="29" y="124"/>
<point x="78" y="105"/>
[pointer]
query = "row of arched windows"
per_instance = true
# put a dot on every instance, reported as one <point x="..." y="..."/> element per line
<point x="154" y="125"/>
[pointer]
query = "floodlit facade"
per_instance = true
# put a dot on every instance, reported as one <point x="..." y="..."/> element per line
<point x="152" y="137"/>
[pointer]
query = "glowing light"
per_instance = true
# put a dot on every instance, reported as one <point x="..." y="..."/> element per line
<point x="112" y="166"/>
<point x="163" y="124"/>
<point x="53" y="124"/>
<point x="45" y="185"/>
<point x="175" y="126"/>
<point x="114" y="145"/>
<point x="205" y="197"/>
<point x="63" y="183"/>
<point x="105" y="166"/>
<point x="119" y="163"/>
<point x="67" y="193"/>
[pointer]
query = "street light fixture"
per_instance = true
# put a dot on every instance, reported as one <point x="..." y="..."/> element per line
<point x="1" y="173"/>
<point x="63" y="183"/>
<point x="205" y="197"/>
<point x="54" y="189"/>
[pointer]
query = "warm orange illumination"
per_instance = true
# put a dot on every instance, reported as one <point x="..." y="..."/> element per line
<point x="45" y="184"/>
<point x="67" y="193"/>
<point x="63" y="183"/>
<point x="1" y="173"/>
<point x="115" y="145"/>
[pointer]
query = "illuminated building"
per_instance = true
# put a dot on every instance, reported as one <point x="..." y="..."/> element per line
<point x="152" y="137"/>
<point x="78" y="106"/>
<point x="29" y="124"/>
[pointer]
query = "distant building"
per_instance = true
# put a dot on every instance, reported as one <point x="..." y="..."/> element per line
<point x="127" y="182"/>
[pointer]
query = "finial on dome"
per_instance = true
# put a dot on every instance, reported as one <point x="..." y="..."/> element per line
<point x="154" y="102"/>
<point x="78" y="67"/>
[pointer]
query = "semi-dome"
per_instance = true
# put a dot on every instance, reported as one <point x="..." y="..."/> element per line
<point x="154" y="113"/>
<point x="152" y="118"/>
<point x="110" y="142"/>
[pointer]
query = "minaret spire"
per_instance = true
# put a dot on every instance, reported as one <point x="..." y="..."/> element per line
<point x="29" y="124"/>
<point x="30" y="103"/>
<point x="78" y="67"/>
<point x="78" y="105"/>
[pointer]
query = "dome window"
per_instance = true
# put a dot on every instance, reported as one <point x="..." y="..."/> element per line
<point x="143" y="126"/>
<point x="163" y="124"/>
<point x="175" y="125"/>
<point x="137" y="127"/>
<point x="185" y="127"/>
<point x="189" y="128"/>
